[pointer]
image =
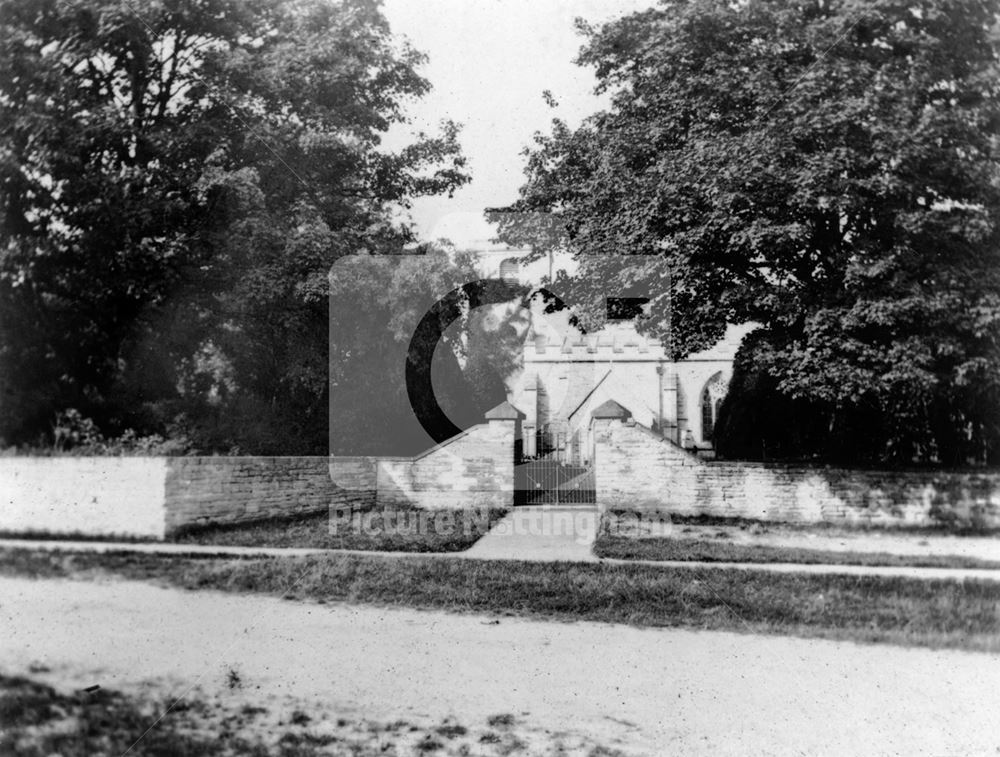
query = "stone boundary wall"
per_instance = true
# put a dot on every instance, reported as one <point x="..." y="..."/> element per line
<point x="203" y="490"/>
<point x="354" y="480"/>
<point x="84" y="496"/>
<point x="152" y="497"/>
<point x="473" y="469"/>
<point x="636" y="469"/>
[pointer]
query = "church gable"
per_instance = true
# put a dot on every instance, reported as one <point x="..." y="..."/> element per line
<point x="567" y="374"/>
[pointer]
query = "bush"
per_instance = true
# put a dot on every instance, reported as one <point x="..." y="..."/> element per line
<point x="73" y="434"/>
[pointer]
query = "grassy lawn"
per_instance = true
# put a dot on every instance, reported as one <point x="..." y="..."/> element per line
<point x="38" y="721"/>
<point x="936" y="613"/>
<point x="397" y="530"/>
<point x="709" y="550"/>
<point x="628" y="535"/>
<point x="401" y="529"/>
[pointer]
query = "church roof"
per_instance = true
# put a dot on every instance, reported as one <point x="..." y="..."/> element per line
<point x="504" y="412"/>
<point x="610" y="409"/>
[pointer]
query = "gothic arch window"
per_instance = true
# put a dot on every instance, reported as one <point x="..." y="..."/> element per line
<point x="711" y="401"/>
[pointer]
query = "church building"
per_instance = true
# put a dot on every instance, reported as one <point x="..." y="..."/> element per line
<point x="567" y="374"/>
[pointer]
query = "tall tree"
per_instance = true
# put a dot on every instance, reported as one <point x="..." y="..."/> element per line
<point x="376" y="307"/>
<point x="177" y="179"/>
<point x="826" y="168"/>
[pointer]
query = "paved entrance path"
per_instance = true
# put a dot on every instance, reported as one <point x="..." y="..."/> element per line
<point x="545" y="533"/>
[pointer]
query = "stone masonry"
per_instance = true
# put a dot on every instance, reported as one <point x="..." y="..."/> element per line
<point x="637" y="469"/>
<point x="472" y="469"/>
<point x="201" y="490"/>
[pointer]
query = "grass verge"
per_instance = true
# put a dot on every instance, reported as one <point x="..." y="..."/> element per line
<point x="38" y="721"/>
<point x="822" y="527"/>
<point x="389" y="530"/>
<point x="932" y="613"/>
<point x="397" y="529"/>
<point x="706" y="550"/>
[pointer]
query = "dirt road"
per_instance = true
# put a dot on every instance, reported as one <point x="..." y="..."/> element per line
<point x="644" y="691"/>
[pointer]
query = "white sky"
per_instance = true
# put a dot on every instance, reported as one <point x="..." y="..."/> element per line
<point x="489" y="62"/>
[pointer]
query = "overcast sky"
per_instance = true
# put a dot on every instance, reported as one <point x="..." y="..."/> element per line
<point x="489" y="62"/>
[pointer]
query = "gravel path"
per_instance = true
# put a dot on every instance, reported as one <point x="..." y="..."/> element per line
<point x="645" y="691"/>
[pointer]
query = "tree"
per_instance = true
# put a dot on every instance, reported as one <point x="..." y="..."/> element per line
<point x="376" y="305"/>
<point x="177" y="179"/>
<point x="825" y="168"/>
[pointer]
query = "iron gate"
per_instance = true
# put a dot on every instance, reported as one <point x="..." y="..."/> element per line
<point x="557" y="475"/>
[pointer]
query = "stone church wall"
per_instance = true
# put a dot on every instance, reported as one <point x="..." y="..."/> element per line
<point x="635" y="469"/>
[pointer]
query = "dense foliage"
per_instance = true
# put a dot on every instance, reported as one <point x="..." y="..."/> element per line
<point x="376" y="305"/>
<point x="177" y="179"/>
<point x="825" y="168"/>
